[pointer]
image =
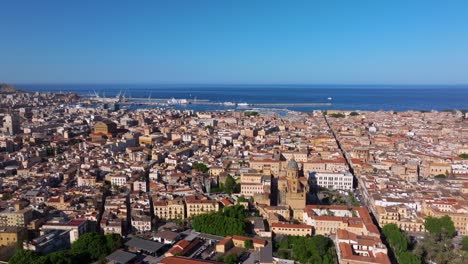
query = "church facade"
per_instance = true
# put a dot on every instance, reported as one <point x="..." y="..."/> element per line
<point x="292" y="189"/>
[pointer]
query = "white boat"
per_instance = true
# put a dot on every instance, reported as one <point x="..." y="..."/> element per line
<point x="174" y="101"/>
<point x="242" y="104"/>
<point x="229" y="103"/>
<point x="329" y="98"/>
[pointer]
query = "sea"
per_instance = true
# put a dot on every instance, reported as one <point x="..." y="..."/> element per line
<point x="343" y="97"/>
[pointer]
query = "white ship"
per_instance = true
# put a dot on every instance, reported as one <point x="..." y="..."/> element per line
<point x="242" y="104"/>
<point x="174" y="101"/>
<point x="329" y="98"/>
<point x="229" y="103"/>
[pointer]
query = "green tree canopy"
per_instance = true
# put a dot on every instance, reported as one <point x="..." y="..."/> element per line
<point x="442" y="227"/>
<point x="316" y="249"/>
<point x="93" y="245"/>
<point x="395" y="238"/>
<point x="230" y="185"/>
<point x="408" y="258"/>
<point x="113" y="242"/>
<point x="229" y="221"/>
<point x="464" y="243"/>
<point x="248" y="244"/>
<point x="231" y="259"/>
<point x="237" y="211"/>
<point x="23" y="257"/>
<point x="88" y="248"/>
<point x="340" y="115"/>
<point x="200" y="167"/>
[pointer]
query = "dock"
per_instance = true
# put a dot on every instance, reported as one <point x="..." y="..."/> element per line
<point x="164" y="102"/>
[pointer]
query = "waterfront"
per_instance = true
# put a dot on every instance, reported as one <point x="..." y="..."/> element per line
<point x="293" y="97"/>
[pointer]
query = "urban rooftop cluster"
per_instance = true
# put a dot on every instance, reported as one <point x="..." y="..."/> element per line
<point x="83" y="183"/>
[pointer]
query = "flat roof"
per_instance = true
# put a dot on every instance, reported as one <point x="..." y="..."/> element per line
<point x="121" y="256"/>
<point x="143" y="244"/>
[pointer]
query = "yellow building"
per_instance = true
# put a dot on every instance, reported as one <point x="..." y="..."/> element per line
<point x="282" y="228"/>
<point x="253" y="183"/>
<point x="398" y="215"/>
<point x="197" y="206"/>
<point x="297" y="156"/>
<point x="238" y="241"/>
<point x="450" y="208"/>
<point x="148" y="139"/>
<point x="439" y="168"/>
<point x="60" y="203"/>
<point x="268" y="211"/>
<point x="105" y="127"/>
<point x="169" y="209"/>
<point x="10" y="235"/>
<point x="327" y="219"/>
<point x="215" y="171"/>
<point x="272" y="165"/>
<point x="16" y="216"/>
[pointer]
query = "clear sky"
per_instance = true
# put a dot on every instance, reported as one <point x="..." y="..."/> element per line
<point x="223" y="41"/>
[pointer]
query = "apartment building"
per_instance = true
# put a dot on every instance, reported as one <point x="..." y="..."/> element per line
<point x="10" y="235"/>
<point x="336" y="181"/>
<point x="327" y="219"/>
<point x="255" y="183"/>
<point x="282" y="228"/>
<point x="352" y="248"/>
<point x="169" y="209"/>
<point x="16" y="216"/>
<point x="196" y="206"/>
<point x="399" y="215"/>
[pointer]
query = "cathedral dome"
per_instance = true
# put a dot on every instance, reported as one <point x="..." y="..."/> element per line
<point x="292" y="165"/>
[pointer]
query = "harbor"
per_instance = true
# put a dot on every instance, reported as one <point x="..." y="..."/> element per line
<point x="181" y="102"/>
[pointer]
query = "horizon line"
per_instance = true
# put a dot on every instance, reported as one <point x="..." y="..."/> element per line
<point x="234" y="84"/>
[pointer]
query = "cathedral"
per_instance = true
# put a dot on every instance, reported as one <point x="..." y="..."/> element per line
<point x="292" y="189"/>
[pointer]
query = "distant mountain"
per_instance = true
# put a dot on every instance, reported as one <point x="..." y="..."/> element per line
<point x="6" y="88"/>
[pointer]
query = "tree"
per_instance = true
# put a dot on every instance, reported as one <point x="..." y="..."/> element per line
<point x="248" y="244"/>
<point x="464" y="156"/>
<point x="316" y="249"/>
<point x="231" y="259"/>
<point x="442" y="227"/>
<point x="250" y="113"/>
<point x="242" y="199"/>
<point x="435" y="247"/>
<point x="337" y="115"/>
<point x="395" y="238"/>
<point x="58" y="257"/>
<point x="230" y="221"/>
<point x="407" y="258"/>
<point x="113" y="242"/>
<point x="200" y="167"/>
<point x="91" y="245"/>
<point x="22" y="256"/>
<point x="464" y="243"/>
<point x="230" y="185"/>
<point x="237" y="211"/>
<point x="217" y="224"/>
<point x="354" y="114"/>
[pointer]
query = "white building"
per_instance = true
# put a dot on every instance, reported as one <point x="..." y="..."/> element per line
<point x="119" y="180"/>
<point x="337" y="181"/>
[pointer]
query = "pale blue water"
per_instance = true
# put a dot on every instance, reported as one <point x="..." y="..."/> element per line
<point x="348" y="97"/>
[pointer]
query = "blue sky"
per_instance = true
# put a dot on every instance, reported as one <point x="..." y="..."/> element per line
<point x="223" y="41"/>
